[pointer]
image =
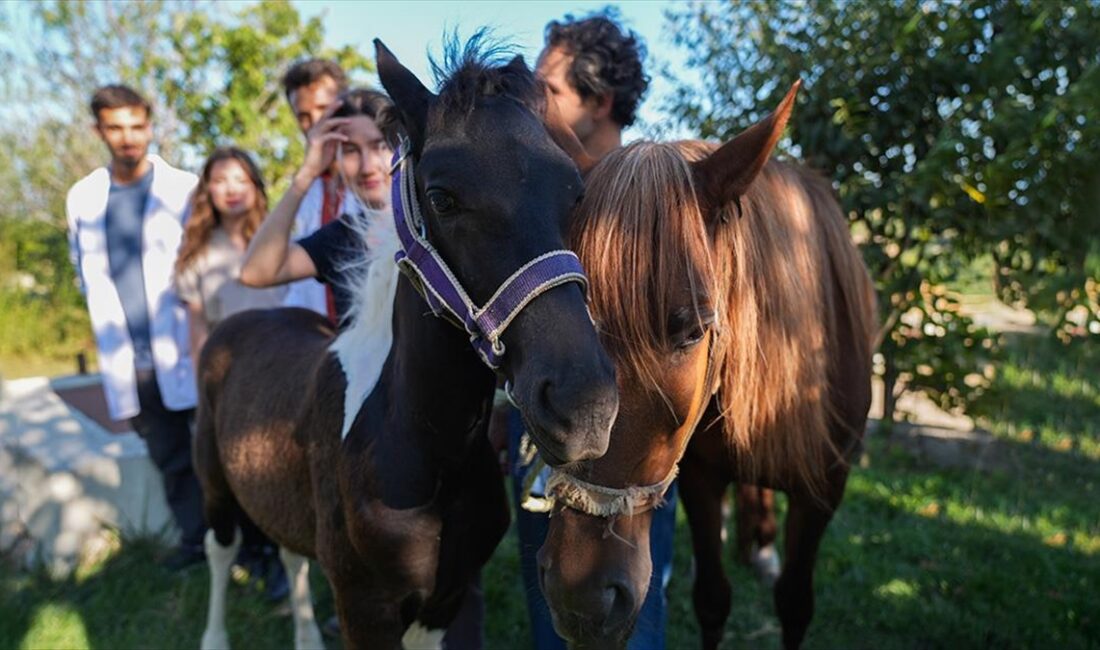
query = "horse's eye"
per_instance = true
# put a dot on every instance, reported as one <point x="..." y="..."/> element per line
<point x="691" y="338"/>
<point x="688" y="328"/>
<point x="441" y="201"/>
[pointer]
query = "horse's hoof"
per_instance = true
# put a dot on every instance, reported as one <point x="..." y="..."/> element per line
<point x="765" y="563"/>
<point x="418" y="637"/>
<point x="215" y="640"/>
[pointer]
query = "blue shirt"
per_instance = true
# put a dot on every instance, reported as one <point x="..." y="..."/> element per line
<point x="124" y="219"/>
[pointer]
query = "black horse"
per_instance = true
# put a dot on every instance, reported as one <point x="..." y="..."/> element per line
<point x="369" y="452"/>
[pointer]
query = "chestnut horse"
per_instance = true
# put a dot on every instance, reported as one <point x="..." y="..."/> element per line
<point x="741" y="318"/>
<point x="368" y="451"/>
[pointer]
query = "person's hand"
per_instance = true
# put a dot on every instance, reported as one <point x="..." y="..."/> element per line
<point x="322" y="140"/>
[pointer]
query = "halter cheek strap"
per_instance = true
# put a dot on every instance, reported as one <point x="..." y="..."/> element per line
<point x="446" y="297"/>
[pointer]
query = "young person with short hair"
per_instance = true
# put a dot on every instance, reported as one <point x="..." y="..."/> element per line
<point x="593" y="70"/>
<point x="312" y="87"/>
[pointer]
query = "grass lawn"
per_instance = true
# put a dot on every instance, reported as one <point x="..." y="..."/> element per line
<point x="917" y="557"/>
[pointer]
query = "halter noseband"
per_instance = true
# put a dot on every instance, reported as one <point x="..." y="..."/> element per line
<point x="435" y="281"/>
<point x="608" y="502"/>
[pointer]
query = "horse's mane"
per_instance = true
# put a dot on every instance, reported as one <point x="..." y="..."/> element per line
<point x="479" y="68"/>
<point x="371" y="275"/>
<point x="778" y="276"/>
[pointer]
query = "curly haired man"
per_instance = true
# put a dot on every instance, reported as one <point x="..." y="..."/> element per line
<point x="593" y="69"/>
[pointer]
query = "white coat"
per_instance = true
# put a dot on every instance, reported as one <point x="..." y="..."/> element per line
<point x="162" y="229"/>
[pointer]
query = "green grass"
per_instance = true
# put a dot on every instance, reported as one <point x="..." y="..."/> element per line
<point x="917" y="557"/>
<point x="18" y="367"/>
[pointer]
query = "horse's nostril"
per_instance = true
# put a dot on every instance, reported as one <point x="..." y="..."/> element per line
<point x="619" y="602"/>
<point x="607" y="601"/>
<point x="551" y="410"/>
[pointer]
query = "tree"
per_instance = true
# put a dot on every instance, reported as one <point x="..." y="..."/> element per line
<point x="227" y="80"/>
<point x="951" y="131"/>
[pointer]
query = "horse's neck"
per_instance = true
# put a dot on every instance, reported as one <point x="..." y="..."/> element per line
<point x="440" y="389"/>
<point x="430" y="406"/>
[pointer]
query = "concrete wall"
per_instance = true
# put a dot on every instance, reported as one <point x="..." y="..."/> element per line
<point x="64" y="479"/>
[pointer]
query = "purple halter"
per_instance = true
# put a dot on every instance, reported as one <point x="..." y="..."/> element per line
<point x="431" y="276"/>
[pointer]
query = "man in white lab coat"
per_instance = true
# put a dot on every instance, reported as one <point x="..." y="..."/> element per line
<point x="125" y="224"/>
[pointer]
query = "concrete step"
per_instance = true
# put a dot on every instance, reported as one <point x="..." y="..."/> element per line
<point x="65" y="479"/>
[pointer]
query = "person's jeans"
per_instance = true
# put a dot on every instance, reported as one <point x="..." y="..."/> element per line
<point x="167" y="434"/>
<point x="649" y="633"/>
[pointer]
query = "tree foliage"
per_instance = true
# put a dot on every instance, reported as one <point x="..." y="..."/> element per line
<point x="951" y="131"/>
<point x="227" y="80"/>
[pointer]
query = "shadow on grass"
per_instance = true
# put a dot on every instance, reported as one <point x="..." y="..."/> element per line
<point x="129" y="601"/>
<point x="922" y="557"/>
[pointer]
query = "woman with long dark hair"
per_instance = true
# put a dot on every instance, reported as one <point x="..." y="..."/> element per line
<point x="226" y="210"/>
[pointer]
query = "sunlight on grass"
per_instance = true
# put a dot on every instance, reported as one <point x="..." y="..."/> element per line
<point x="1046" y="394"/>
<point x="938" y="497"/>
<point x="95" y="557"/>
<point x="898" y="589"/>
<point x="55" y="626"/>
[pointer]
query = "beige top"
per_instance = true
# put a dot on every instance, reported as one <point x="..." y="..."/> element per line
<point x="211" y="280"/>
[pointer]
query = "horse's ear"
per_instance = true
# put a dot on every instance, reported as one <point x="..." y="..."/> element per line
<point x="726" y="174"/>
<point x="517" y="64"/>
<point x="410" y="96"/>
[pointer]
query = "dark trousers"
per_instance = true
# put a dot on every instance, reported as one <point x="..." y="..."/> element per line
<point x="167" y="434"/>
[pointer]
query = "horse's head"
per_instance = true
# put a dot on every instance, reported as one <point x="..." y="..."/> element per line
<point x="645" y="231"/>
<point x="495" y="194"/>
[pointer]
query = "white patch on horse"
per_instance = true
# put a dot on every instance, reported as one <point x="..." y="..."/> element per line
<point x="220" y="559"/>
<point x="307" y="636"/>
<point x="418" y="637"/>
<point x="363" y="347"/>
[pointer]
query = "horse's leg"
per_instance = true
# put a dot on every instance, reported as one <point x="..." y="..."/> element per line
<point x="807" y="519"/>
<point x="701" y="490"/>
<point x="756" y="532"/>
<point x="220" y="559"/>
<point x="306" y="634"/>
<point x="472" y="529"/>
<point x="223" y="538"/>
<point x="367" y="622"/>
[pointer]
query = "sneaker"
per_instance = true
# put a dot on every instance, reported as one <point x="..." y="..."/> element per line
<point x="276" y="587"/>
<point x="331" y="628"/>
<point x="183" y="557"/>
